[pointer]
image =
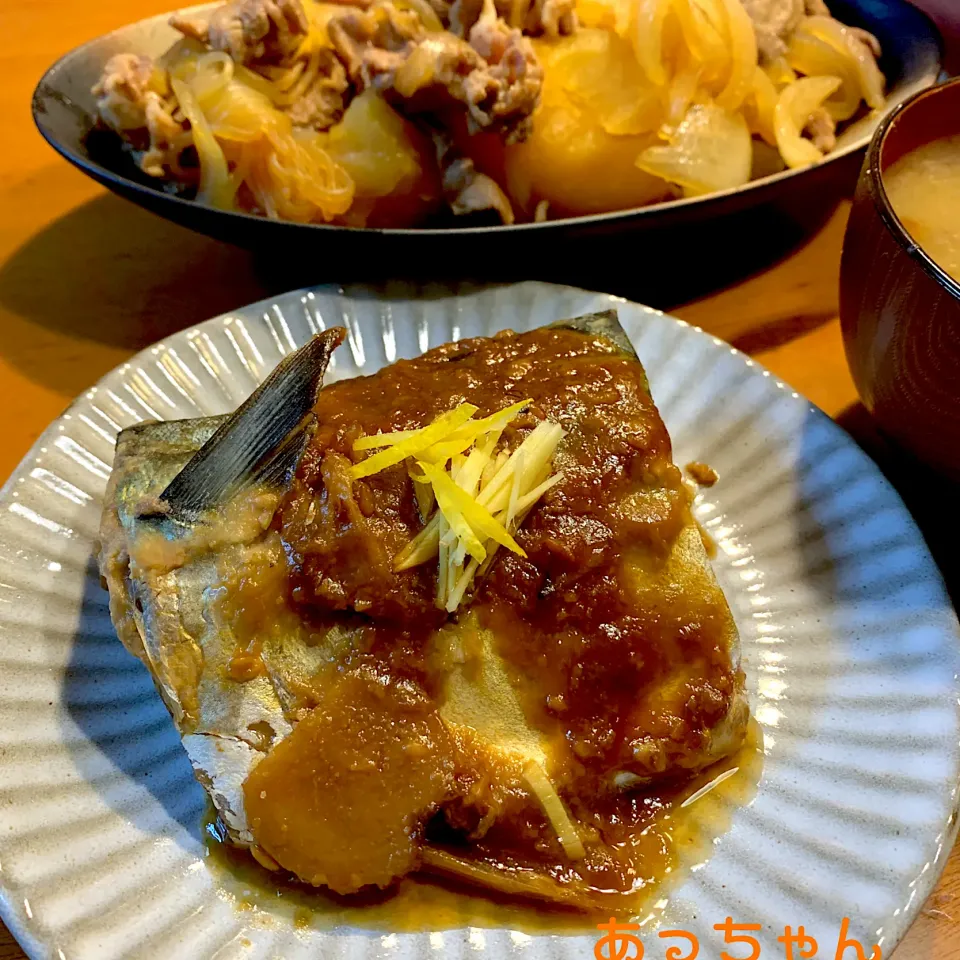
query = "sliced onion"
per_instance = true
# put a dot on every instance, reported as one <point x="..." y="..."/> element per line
<point x="780" y="72"/>
<point x="185" y="51"/>
<point x="795" y="107"/>
<point x="683" y="89"/>
<point x="649" y="17"/>
<point x="691" y="28"/>
<point x="592" y="13"/>
<point x="841" y="38"/>
<point x="600" y="74"/>
<point x="214" y="70"/>
<point x="239" y="113"/>
<point x="710" y="151"/>
<point x="216" y="187"/>
<point x="760" y="105"/>
<point x="712" y="47"/>
<point x="743" y="49"/>
<point x="255" y="81"/>
<point x="816" y="58"/>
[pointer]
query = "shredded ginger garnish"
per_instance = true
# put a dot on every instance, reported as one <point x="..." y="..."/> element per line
<point x="474" y="495"/>
<point x="556" y="812"/>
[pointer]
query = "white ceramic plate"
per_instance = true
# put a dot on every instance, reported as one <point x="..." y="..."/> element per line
<point x="850" y="647"/>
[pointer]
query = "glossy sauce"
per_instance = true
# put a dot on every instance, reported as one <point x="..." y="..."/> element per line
<point x="613" y="640"/>
<point x="584" y="648"/>
<point x="421" y="902"/>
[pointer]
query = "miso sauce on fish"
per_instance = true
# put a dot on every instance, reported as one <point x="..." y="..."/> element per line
<point x="468" y="630"/>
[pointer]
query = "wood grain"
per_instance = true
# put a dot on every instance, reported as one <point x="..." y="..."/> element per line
<point x="87" y="279"/>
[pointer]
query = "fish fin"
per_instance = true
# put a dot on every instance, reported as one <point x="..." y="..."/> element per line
<point x="278" y="469"/>
<point x="262" y="440"/>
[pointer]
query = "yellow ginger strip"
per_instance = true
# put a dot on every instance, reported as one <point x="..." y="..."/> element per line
<point x="514" y="491"/>
<point x="446" y="449"/>
<point x="529" y="499"/>
<point x="531" y="445"/>
<point x="497" y="421"/>
<point x="459" y="438"/>
<point x="467" y="478"/>
<point x="453" y="513"/>
<point x="556" y="812"/>
<point x="471" y="431"/>
<point x="421" y="548"/>
<point x="443" y="581"/>
<point x="466" y="475"/>
<point x="472" y="473"/>
<point x="422" y="491"/>
<point x="465" y="515"/>
<point x="481" y="500"/>
<point x="523" y="506"/>
<point x="534" y="454"/>
<point x="375" y="440"/>
<point x="490" y="470"/>
<point x="414" y="444"/>
<point x="462" y="584"/>
<point x="535" y="465"/>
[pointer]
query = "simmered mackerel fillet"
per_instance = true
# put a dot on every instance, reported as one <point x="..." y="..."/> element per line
<point x="353" y="730"/>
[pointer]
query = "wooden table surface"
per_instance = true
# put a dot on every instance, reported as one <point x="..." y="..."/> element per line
<point x="86" y="279"/>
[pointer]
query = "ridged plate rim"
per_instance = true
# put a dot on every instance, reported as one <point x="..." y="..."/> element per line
<point x="29" y="929"/>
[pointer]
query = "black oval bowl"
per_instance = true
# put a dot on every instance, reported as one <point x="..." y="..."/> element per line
<point x="730" y="231"/>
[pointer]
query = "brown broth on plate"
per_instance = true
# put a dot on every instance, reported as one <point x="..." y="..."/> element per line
<point x="685" y="834"/>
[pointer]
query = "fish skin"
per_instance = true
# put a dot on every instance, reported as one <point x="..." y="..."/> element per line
<point x="262" y="440"/>
<point x="605" y="323"/>
<point x="166" y="612"/>
<point x="169" y="479"/>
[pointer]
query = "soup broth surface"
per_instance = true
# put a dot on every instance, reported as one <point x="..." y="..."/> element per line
<point x="924" y="190"/>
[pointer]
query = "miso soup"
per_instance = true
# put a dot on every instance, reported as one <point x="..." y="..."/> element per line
<point x="924" y="190"/>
